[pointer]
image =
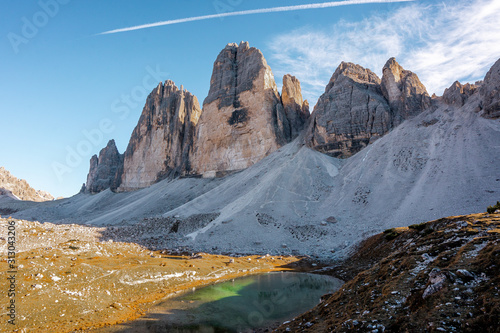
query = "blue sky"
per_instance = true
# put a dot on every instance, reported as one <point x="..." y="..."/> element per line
<point x="65" y="90"/>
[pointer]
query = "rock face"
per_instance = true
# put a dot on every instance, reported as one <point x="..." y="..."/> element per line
<point x="403" y="90"/>
<point x="457" y="94"/>
<point x="357" y="107"/>
<point x="296" y="109"/>
<point x="350" y="113"/>
<point x="243" y="119"/>
<point x="162" y="141"/>
<point x="106" y="170"/>
<point x="490" y="92"/>
<point x="19" y="188"/>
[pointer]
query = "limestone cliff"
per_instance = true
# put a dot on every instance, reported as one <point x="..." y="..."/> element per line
<point x="296" y="109"/>
<point x="163" y="139"/>
<point x="350" y="113"/>
<point x="243" y="119"/>
<point x="490" y="92"/>
<point x="106" y="170"/>
<point x="406" y="95"/>
<point x="457" y="94"/>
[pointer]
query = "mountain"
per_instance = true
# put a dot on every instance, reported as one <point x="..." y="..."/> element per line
<point x="19" y="189"/>
<point x="358" y="107"/>
<point x="243" y="118"/>
<point x="442" y="159"/>
<point x="105" y="170"/>
<point x="163" y="140"/>
<point x="490" y="92"/>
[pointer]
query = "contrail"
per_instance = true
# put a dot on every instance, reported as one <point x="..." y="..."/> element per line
<point x="251" y="12"/>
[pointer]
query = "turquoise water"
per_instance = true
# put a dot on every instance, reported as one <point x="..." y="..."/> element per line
<point x="239" y="305"/>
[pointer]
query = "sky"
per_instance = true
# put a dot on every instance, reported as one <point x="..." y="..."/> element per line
<point x="75" y="74"/>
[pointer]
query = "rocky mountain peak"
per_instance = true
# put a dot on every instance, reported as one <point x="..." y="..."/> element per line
<point x="296" y="109"/>
<point x="457" y="94"/>
<point x="236" y="70"/>
<point x="351" y="113"/>
<point x="106" y="170"/>
<point x="163" y="139"/>
<point x="490" y="92"/>
<point x="243" y="118"/>
<point x="406" y="95"/>
<point x="354" y="72"/>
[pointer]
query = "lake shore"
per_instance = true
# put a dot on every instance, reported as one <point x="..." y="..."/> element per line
<point x="67" y="278"/>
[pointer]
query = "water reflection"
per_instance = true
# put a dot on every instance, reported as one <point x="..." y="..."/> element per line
<point x="236" y="306"/>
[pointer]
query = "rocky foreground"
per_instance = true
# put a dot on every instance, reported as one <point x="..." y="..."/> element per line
<point x="440" y="276"/>
<point x="70" y="278"/>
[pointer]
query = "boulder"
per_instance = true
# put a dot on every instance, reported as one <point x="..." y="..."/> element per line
<point x="457" y="94"/>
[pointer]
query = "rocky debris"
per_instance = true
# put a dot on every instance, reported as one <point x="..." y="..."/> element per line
<point x="296" y="109"/>
<point x="406" y="95"/>
<point x="457" y="94"/>
<point x="162" y="141"/>
<point x="105" y="171"/>
<point x="442" y="275"/>
<point x="350" y="113"/>
<point x="437" y="280"/>
<point x="490" y="92"/>
<point x="243" y="119"/>
<point x="20" y="189"/>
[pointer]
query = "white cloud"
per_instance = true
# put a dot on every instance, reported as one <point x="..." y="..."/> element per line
<point x="441" y="43"/>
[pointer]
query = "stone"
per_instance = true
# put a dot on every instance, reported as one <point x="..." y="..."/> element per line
<point x="105" y="171"/>
<point x="406" y="95"/>
<point x="163" y="140"/>
<point x="350" y="113"/>
<point x="243" y="119"/>
<point x="490" y="92"/>
<point x="436" y="282"/>
<point x="296" y="109"/>
<point x="457" y="94"/>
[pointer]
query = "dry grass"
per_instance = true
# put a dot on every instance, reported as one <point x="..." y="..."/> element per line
<point x="390" y="276"/>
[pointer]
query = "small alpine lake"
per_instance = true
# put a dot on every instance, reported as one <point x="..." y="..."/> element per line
<point x="239" y="305"/>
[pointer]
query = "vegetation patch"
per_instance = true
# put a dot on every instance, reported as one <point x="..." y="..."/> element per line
<point x="494" y="208"/>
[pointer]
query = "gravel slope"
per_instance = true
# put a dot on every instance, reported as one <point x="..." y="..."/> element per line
<point x="446" y="161"/>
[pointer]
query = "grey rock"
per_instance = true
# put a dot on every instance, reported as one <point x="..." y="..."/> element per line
<point x="243" y="119"/>
<point x="406" y="95"/>
<point x="457" y="94"/>
<point x="350" y="113"/>
<point x="490" y="92"/>
<point x="437" y="281"/>
<point x="105" y="171"/>
<point x="162" y="141"/>
<point x="296" y="109"/>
